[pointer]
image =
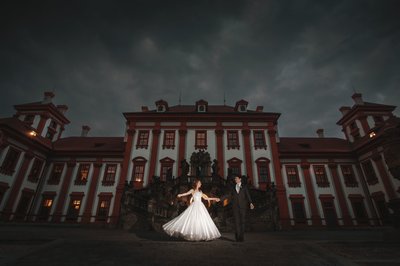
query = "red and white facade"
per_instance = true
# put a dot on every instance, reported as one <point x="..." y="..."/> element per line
<point x="320" y="181"/>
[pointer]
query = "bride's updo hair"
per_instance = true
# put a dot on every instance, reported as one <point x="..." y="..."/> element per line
<point x="196" y="181"/>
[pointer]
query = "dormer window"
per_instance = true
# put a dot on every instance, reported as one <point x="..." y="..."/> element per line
<point x="53" y="124"/>
<point x="241" y="106"/>
<point x="162" y="106"/>
<point x="29" y="119"/>
<point x="201" y="106"/>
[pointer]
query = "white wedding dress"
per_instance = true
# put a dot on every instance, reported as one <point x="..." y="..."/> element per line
<point x="194" y="224"/>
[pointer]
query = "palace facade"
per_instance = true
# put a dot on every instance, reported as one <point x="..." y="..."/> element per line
<point x="319" y="181"/>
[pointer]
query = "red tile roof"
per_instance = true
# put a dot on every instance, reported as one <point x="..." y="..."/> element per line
<point x="92" y="144"/>
<point x="313" y="145"/>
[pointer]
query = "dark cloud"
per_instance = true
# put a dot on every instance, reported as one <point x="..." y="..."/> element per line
<point x="102" y="58"/>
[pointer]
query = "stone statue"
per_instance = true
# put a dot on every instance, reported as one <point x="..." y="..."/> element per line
<point x="215" y="167"/>
<point x="184" y="167"/>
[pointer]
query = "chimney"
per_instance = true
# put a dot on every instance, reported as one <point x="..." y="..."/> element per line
<point x="62" y="108"/>
<point x="320" y="132"/>
<point x="85" y="131"/>
<point x="48" y="96"/>
<point x="344" y="110"/>
<point x="259" y="108"/>
<point x="357" y="97"/>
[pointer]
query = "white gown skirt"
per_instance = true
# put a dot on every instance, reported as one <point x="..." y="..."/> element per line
<point x="194" y="224"/>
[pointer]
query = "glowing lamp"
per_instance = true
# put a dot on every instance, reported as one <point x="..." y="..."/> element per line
<point x="33" y="133"/>
<point x="372" y="134"/>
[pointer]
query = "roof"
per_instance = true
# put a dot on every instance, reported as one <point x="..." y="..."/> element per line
<point x="314" y="145"/>
<point x="210" y="109"/>
<point x="24" y="129"/>
<point x="40" y="106"/>
<point x="366" y="106"/>
<point x="90" y="144"/>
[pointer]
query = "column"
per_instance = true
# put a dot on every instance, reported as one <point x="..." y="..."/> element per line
<point x="92" y="192"/>
<point x="16" y="186"/>
<point x="220" y="151"/>
<point x="280" y="187"/>
<point x="247" y="154"/>
<point x="153" y="154"/>
<point x="340" y="194"/>
<point x="364" y="123"/>
<point x="367" y="193"/>
<point x="315" y="217"/>
<point x="182" y="148"/>
<point x="123" y="177"/>
<point x="63" y="192"/>
<point x="42" y="123"/>
<point x="384" y="177"/>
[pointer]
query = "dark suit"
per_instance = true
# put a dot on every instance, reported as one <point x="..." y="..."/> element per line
<point x="240" y="204"/>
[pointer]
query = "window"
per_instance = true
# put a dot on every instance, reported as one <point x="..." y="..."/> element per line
<point x="45" y="207"/>
<point x="233" y="139"/>
<point x="139" y="164"/>
<point x="83" y="174"/>
<point x="201" y="108"/>
<point x="56" y="174"/>
<point x="35" y="170"/>
<point x="160" y="108"/>
<point x="109" y="175"/>
<point x="23" y="205"/>
<point x="360" y="213"/>
<point x="3" y="188"/>
<point x="29" y="119"/>
<point x="53" y="124"/>
<point x="292" y="176"/>
<point x="10" y="162"/>
<point x="169" y="139"/>
<point x="167" y="165"/>
<point x="143" y="139"/>
<point x="103" y="208"/>
<point x="235" y="167"/>
<point x="348" y="174"/>
<point x="369" y="172"/>
<point x="201" y="139"/>
<point x="320" y="176"/>
<point x="378" y="120"/>
<point x="353" y="125"/>
<point x="328" y="207"/>
<point x="299" y="214"/>
<point x="263" y="170"/>
<point x="50" y="134"/>
<point x="242" y="108"/>
<point x="74" y="208"/>
<point x="259" y="139"/>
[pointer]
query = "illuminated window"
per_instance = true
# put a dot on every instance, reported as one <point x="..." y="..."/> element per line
<point x="143" y="139"/>
<point x="103" y="207"/>
<point x="45" y="207"/>
<point x="83" y="174"/>
<point x="74" y="207"/>
<point x="139" y="164"/>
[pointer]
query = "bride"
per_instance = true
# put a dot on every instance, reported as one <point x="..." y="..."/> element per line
<point x="195" y="223"/>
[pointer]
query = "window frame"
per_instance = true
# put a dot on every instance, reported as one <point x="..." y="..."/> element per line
<point x="232" y="143"/>
<point x="199" y="145"/>
<point x="257" y="145"/>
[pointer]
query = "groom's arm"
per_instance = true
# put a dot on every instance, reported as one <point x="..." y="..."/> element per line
<point x="249" y="198"/>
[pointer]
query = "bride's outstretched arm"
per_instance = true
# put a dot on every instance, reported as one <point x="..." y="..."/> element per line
<point x="207" y="198"/>
<point x="185" y="194"/>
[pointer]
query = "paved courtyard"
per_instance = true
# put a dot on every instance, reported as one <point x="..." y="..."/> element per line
<point x="75" y="245"/>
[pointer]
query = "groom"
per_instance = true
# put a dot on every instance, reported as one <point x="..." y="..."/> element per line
<point x="241" y="199"/>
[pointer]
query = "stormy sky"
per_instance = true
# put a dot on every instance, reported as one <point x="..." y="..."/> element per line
<point x="303" y="59"/>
